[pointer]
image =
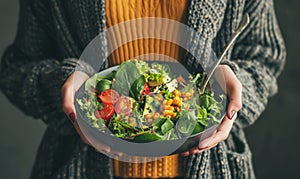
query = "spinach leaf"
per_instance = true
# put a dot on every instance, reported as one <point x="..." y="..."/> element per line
<point x="111" y="75"/>
<point x="187" y="122"/>
<point x="125" y="76"/>
<point x="137" y="87"/>
<point x="91" y="83"/>
<point x="158" y="123"/>
<point x="146" y="137"/>
<point x="167" y="126"/>
<point x="198" y="128"/>
<point x="103" y="85"/>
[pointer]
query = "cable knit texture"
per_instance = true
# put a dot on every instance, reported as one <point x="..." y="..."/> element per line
<point x="53" y="34"/>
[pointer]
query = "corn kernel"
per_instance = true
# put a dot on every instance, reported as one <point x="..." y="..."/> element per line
<point x="176" y="92"/>
<point x="171" y="108"/>
<point x="167" y="112"/>
<point x="168" y="116"/>
<point x="147" y="116"/>
<point x="177" y="101"/>
<point x="169" y="101"/>
<point x="173" y="115"/>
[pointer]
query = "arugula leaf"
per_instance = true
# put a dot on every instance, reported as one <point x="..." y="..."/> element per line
<point x="122" y="129"/>
<point x="202" y="115"/>
<point x="142" y="66"/>
<point x="162" y="69"/>
<point x="166" y="93"/>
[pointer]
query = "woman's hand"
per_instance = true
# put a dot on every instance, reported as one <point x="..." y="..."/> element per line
<point x="233" y="87"/>
<point x="68" y="91"/>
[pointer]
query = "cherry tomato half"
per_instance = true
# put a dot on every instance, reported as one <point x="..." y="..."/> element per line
<point x="106" y="112"/>
<point x="109" y="96"/>
<point x="123" y="106"/>
<point x="146" y="89"/>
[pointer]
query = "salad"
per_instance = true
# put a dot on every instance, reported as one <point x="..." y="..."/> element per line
<point x="144" y="102"/>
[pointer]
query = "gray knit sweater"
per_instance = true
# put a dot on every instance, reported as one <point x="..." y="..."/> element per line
<point x="52" y="35"/>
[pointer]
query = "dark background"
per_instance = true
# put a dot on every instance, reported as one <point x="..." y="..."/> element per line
<point x="272" y="138"/>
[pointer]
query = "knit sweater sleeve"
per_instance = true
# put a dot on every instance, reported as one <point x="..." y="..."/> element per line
<point x="258" y="58"/>
<point x="30" y="75"/>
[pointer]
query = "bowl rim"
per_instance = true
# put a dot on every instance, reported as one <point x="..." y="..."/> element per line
<point x="110" y="134"/>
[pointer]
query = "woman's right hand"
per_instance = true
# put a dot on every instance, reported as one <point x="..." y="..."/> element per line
<point x="68" y="91"/>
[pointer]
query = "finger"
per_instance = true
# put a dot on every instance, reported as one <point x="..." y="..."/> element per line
<point x="194" y="150"/>
<point x="233" y="87"/>
<point x="82" y="136"/>
<point x="185" y="153"/>
<point x="234" y="91"/>
<point x="98" y="145"/>
<point x="221" y="134"/>
<point x="72" y="84"/>
<point x="68" y="100"/>
<point x="103" y="148"/>
<point x="202" y="150"/>
<point x="235" y="102"/>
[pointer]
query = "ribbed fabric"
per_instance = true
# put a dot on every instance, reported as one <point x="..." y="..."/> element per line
<point x="52" y="34"/>
<point x="148" y="48"/>
<point x="165" y="167"/>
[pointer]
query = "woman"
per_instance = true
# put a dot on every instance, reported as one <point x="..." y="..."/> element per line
<point x="40" y="64"/>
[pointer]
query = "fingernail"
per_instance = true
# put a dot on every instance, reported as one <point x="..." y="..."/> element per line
<point x="231" y="114"/>
<point x="72" y="117"/>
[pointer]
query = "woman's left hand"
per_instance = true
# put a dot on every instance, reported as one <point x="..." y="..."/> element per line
<point x="233" y="86"/>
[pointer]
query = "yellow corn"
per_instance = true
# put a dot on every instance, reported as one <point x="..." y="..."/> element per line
<point x="168" y="116"/>
<point x="176" y="92"/>
<point x="173" y="115"/>
<point x="169" y="101"/>
<point x="171" y="108"/>
<point x="147" y="116"/>
<point x="168" y="112"/>
<point x="177" y="101"/>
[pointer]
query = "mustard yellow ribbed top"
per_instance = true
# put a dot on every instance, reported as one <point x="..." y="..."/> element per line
<point x="118" y="11"/>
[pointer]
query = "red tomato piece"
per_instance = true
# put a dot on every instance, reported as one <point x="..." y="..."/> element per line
<point x="109" y="96"/>
<point x="106" y="112"/>
<point x="146" y="89"/>
<point x="123" y="106"/>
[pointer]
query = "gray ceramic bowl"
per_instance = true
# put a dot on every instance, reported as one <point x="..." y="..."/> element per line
<point x="155" y="148"/>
